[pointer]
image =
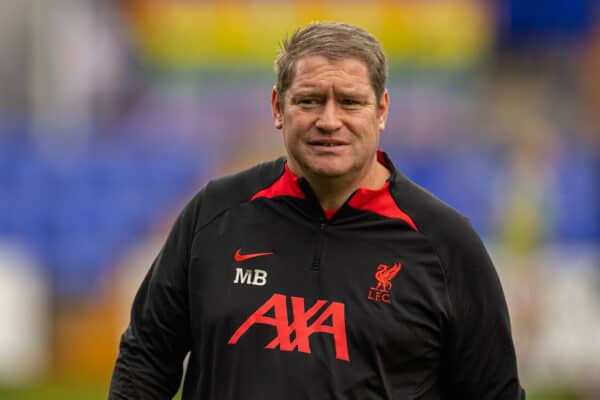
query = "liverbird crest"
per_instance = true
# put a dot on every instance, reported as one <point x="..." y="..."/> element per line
<point x="384" y="276"/>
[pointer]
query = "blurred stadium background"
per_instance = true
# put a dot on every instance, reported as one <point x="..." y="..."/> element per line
<point x="114" y="112"/>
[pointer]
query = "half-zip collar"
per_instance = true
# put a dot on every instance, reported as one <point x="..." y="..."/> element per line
<point x="378" y="201"/>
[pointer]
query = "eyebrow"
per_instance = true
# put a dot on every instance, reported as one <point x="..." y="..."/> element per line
<point x="351" y="93"/>
<point x="297" y="96"/>
<point x="313" y="91"/>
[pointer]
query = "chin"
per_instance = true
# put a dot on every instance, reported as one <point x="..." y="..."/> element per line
<point x="326" y="167"/>
<point x="330" y="172"/>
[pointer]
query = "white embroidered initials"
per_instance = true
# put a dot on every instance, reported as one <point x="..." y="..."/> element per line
<point x="256" y="277"/>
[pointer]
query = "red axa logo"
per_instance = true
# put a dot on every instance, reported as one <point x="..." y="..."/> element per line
<point x="384" y="276"/>
<point x="294" y="334"/>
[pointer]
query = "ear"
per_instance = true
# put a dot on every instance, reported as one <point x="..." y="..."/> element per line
<point x="382" y="109"/>
<point x="276" y="109"/>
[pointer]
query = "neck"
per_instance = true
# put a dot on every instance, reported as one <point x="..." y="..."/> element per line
<point x="332" y="192"/>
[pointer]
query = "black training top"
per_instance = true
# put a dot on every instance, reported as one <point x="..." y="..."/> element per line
<point x="392" y="297"/>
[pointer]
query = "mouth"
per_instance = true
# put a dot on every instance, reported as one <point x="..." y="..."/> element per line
<point x="327" y="143"/>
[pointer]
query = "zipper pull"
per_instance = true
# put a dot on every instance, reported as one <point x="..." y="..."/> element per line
<point x="322" y="224"/>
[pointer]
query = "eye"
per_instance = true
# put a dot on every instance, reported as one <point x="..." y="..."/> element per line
<point x="349" y="102"/>
<point x="308" y="102"/>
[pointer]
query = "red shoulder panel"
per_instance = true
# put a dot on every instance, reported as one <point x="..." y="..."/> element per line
<point x="380" y="202"/>
<point x="286" y="185"/>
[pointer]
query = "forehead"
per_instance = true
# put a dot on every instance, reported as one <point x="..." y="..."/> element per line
<point x="319" y="72"/>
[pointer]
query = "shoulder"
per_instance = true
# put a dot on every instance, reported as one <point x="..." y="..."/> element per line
<point x="223" y="193"/>
<point x="449" y="232"/>
<point x="471" y="277"/>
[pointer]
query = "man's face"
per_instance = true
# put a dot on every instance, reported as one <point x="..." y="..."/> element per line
<point x="330" y="118"/>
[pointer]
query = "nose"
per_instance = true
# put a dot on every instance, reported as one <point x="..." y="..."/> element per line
<point x="328" y="120"/>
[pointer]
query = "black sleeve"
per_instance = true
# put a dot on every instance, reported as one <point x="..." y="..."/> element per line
<point x="481" y="361"/>
<point x="152" y="349"/>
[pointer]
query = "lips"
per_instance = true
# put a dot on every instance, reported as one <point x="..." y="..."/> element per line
<point x="327" y="143"/>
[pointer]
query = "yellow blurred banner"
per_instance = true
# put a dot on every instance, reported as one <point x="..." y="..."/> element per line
<point x="245" y="34"/>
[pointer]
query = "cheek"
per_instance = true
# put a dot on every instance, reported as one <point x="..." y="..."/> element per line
<point x="291" y="139"/>
<point x="295" y="127"/>
<point x="369" y="130"/>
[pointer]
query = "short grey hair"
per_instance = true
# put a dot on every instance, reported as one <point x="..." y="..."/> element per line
<point x="334" y="41"/>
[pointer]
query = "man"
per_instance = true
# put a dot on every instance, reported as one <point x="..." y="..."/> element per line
<point x="326" y="275"/>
